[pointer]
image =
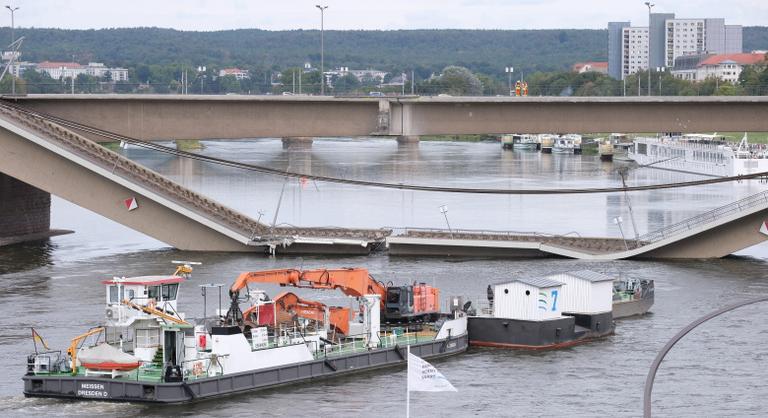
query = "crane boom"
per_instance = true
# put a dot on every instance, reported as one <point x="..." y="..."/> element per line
<point x="351" y="281"/>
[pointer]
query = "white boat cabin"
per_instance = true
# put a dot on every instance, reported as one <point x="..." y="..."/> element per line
<point x="530" y="299"/>
<point x="585" y="292"/>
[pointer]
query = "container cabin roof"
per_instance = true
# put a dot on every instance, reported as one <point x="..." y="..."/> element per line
<point x="540" y="282"/>
<point x="588" y="275"/>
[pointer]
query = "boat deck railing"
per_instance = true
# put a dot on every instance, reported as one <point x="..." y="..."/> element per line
<point x="750" y="202"/>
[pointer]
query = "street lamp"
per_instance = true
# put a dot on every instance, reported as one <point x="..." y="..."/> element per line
<point x="661" y="71"/>
<point x="509" y="71"/>
<point x="617" y="220"/>
<point x="201" y="73"/>
<point x="322" y="49"/>
<point x="13" y="39"/>
<point x="444" y="211"/>
<point x="650" y="6"/>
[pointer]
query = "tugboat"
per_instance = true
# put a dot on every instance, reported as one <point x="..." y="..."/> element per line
<point x="148" y="351"/>
<point x="545" y="313"/>
<point x="632" y="297"/>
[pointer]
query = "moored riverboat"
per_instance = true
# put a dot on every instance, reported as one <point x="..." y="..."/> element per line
<point x="632" y="297"/>
<point x="545" y="313"/>
<point x="148" y="351"/>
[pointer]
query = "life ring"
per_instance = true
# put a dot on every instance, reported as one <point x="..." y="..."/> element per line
<point x="197" y="368"/>
<point x="151" y="303"/>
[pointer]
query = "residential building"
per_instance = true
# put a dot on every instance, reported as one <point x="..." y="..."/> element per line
<point x="592" y="66"/>
<point x="236" y="72"/>
<point x="634" y="50"/>
<point x="614" y="48"/>
<point x="375" y="76"/>
<point x="57" y="70"/>
<point x="725" y="67"/>
<point x="668" y="39"/>
<point x="97" y="69"/>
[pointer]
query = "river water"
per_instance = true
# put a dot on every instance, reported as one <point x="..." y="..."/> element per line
<point x="718" y="370"/>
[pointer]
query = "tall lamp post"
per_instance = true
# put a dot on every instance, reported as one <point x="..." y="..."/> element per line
<point x="509" y="71"/>
<point x="322" y="49"/>
<point x="13" y="39"/>
<point x="650" y="6"/>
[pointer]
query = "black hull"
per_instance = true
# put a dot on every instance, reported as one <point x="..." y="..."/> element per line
<point x="117" y="390"/>
<point x="538" y="335"/>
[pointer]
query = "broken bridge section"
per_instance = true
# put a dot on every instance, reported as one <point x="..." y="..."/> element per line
<point x="55" y="160"/>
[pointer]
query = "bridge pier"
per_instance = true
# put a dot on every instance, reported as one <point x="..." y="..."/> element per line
<point x="297" y="142"/>
<point x="25" y="212"/>
<point x="408" y="139"/>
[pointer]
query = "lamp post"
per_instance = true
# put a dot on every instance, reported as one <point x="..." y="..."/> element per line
<point x="201" y="73"/>
<point x="322" y="48"/>
<point x="650" y="6"/>
<point x="13" y="39"/>
<point x="661" y="71"/>
<point x="509" y="71"/>
<point x="617" y="220"/>
<point x="444" y="211"/>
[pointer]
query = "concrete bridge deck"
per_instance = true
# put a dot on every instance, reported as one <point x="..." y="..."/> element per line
<point x="713" y="234"/>
<point x="61" y="162"/>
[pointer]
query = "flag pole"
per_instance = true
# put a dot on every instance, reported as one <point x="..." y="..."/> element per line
<point x="408" y="383"/>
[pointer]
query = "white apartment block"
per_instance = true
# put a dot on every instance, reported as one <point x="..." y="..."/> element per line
<point x="235" y="72"/>
<point x="684" y="37"/>
<point x="58" y="70"/>
<point x="634" y="50"/>
<point x="97" y="69"/>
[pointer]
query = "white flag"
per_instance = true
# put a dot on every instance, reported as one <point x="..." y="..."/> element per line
<point x="424" y="377"/>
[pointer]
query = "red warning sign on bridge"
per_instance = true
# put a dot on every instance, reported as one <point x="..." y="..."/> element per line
<point x="131" y="203"/>
<point x="764" y="228"/>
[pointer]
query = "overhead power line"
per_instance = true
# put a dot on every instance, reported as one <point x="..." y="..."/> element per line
<point x="364" y="183"/>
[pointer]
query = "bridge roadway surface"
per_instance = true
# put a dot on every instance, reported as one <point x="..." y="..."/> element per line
<point x="172" y="117"/>
<point x="61" y="162"/>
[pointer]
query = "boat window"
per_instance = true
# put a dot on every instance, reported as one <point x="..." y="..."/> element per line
<point x="393" y="295"/>
<point x="153" y="292"/>
<point x="131" y="294"/>
<point x="148" y="337"/>
<point x="169" y="291"/>
<point x="113" y="294"/>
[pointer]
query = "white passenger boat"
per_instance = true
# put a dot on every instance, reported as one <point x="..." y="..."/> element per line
<point x="709" y="155"/>
<point x="519" y="141"/>
<point x="565" y="145"/>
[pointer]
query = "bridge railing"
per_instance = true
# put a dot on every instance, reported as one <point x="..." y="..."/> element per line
<point x="749" y="202"/>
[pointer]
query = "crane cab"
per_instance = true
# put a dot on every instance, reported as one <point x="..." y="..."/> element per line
<point x="125" y="294"/>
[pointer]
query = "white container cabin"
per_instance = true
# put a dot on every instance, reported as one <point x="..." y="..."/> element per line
<point x="585" y="292"/>
<point x="528" y="299"/>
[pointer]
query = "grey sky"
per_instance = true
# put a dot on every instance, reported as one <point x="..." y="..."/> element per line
<point x="361" y="14"/>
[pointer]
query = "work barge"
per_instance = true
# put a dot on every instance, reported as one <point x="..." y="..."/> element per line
<point x="147" y="350"/>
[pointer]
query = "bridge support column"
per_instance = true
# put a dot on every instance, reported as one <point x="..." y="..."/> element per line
<point x="297" y="142"/>
<point x="408" y="139"/>
<point x="25" y="212"/>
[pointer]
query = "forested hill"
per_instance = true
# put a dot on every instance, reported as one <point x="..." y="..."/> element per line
<point x="484" y="51"/>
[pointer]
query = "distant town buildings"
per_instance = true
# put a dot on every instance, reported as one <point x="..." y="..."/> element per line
<point x="58" y="70"/>
<point x="666" y="39"/>
<point x="236" y="72"/>
<point x="726" y="67"/>
<point x="592" y="66"/>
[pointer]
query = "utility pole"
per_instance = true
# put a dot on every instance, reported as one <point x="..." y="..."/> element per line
<point x="413" y="80"/>
<point x="13" y="39"/>
<point x="322" y="48"/>
<point x="650" y="6"/>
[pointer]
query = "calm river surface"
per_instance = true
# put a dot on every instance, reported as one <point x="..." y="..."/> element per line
<point x="718" y="370"/>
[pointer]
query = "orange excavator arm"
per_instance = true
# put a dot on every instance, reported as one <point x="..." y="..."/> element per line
<point x="290" y="303"/>
<point x="351" y="281"/>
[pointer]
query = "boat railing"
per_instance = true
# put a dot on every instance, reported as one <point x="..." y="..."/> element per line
<point x="758" y="199"/>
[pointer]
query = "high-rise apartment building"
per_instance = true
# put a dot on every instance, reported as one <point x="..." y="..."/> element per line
<point x="634" y="50"/>
<point x="666" y="39"/>
<point x="615" y="44"/>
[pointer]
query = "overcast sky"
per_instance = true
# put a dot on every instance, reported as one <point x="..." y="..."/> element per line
<point x="361" y="14"/>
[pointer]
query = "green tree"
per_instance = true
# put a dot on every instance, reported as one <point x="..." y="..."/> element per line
<point x="346" y="84"/>
<point x="460" y="81"/>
